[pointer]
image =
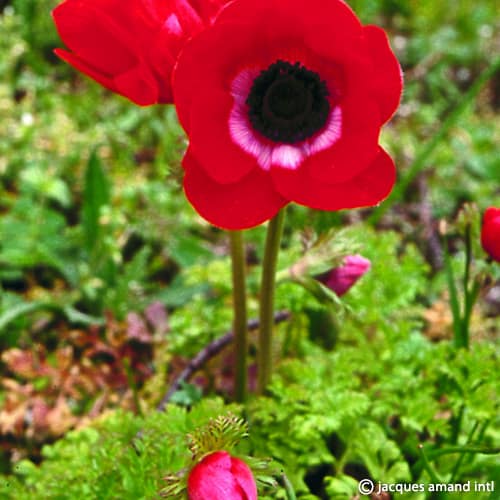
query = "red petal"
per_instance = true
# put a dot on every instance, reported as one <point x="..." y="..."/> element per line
<point x="357" y="146"/>
<point x="188" y="17"/>
<point x="95" y="37"/>
<point x="138" y="85"/>
<point x="223" y="160"/>
<point x="387" y="77"/>
<point x="300" y="17"/>
<point x="327" y="28"/>
<point x="491" y="214"/>
<point x="221" y="477"/>
<point x="369" y="188"/>
<point x="244" y="478"/>
<point x="242" y="205"/>
<point x="490" y="233"/>
<point x="105" y="47"/>
<point x="82" y="66"/>
<point x="212" y="479"/>
<point x="208" y="9"/>
<point x="211" y="60"/>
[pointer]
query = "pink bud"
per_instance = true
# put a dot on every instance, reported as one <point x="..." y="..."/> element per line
<point x="219" y="476"/>
<point x="341" y="279"/>
<point x="490" y="233"/>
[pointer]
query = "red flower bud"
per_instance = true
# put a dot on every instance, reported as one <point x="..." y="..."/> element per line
<point x="490" y="233"/>
<point x="130" y="47"/>
<point x="341" y="279"/>
<point x="219" y="476"/>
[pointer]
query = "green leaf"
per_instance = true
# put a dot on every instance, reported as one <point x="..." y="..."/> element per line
<point x="342" y="487"/>
<point x="19" y="310"/>
<point x="96" y="195"/>
<point x="221" y="433"/>
<point x="187" y="395"/>
<point x="187" y="251"/>
<point x="31" y="234"/>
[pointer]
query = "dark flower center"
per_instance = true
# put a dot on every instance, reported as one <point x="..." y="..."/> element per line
<point x="288" y="103"/>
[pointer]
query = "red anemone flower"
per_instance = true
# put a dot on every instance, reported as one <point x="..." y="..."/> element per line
<point x="219" y="476"/>
<point x="130" y="47"/>
<point x="490" y="233"/>
<point x="283" y="100"/>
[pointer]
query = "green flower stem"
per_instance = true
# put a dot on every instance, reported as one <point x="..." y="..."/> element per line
<point x="428" y="456"/>
<point x="470" y="291"/>
<point x="266" y="314"/>
<point x="428" y="467"/>
<point x="452" y="290"/>
<point x="462" y="449"/>
<point x="132" y="385"/>
<point x="290" y="492"/>
<point x="464" y="340"/>
<point x="462" y="456"/>
<point x="240" y="313"/>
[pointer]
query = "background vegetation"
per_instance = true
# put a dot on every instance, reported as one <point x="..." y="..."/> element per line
<point x="110" y="283"/>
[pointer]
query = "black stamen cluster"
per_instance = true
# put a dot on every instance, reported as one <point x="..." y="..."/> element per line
<point x="288" y="103"/>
